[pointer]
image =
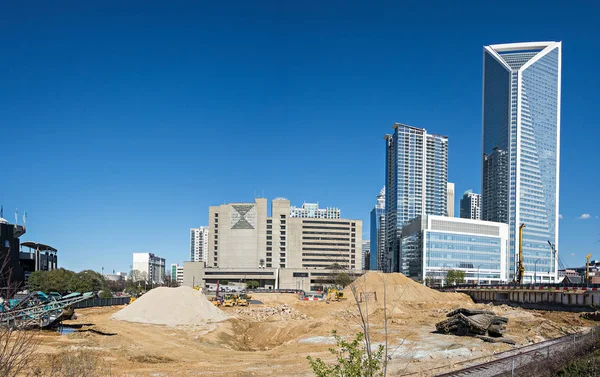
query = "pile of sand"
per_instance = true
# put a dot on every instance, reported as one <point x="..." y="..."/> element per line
<point x="172" y="307"/>
<point x="400" y="290"/>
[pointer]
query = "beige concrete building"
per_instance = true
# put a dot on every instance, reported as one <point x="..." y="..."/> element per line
<point x="242" y="235"/>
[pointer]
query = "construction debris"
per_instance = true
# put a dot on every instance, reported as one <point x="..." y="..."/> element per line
<point x="482" y="324"/>
<point x="271" y="313"/>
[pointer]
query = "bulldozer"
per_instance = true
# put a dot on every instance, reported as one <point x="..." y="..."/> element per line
<point x="215" y="301"/>
<point x="334" y="295"/>
<point x="243" y="299"/>
<point x="229" y="300"/>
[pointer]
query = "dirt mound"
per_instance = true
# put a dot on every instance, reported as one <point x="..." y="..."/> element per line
<point x="172" y="307"/>
<point x="400" y="290"/>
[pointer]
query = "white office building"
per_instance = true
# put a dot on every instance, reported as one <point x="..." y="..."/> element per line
<point x="450" y="203"/>
<point x="199" y="244"/>
<point x="433" y="245"/>
<point x="150" y="267"/>
<point x="312" y="211"/>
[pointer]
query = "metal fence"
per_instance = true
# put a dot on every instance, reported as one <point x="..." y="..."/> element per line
<point x="92" y="302"/>
<point x="525" y="361"/>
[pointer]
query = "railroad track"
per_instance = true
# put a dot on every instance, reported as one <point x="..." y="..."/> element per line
<point x="509" y="361"/>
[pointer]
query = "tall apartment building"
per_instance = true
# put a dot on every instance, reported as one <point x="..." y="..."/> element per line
<point x="470" y="206"/>
<point x="312" y="211"/>
<point x="151" y="267"/>
<point x="243" y="235"/>
<point x="521" y="148"/>
<point x="378" y="232"/>
<point x="199" y="244"/>
<point x="416" y="184"/>
<point x="366" y="252"/>
<point x="450" y="210"/>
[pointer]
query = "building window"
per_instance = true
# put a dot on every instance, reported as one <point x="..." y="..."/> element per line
<point x="282" y="266"/>
<point x="269" y="254"/>
<point x="269" y="259"/>
<point x="282" y="249"/>
<point x="215" y="264"/>
<point x="269" y="243"/>
<point x="216" y="248"/>
<point x="216" y="226"/>
<point x="269" y="237"/>
<point x="216" y="215"/>
<point x="269" y="248"/>
<point x="269" y="265"/>
<point x="216" y="219"/>
<point x="282" y="216"/>
<point x="216" y="236"/>
<point x="282" y="227"/>
<point x="282" y="238"/>
<point x="269" y="232"/>
<point x="269" y="221"/>
<point x="283" y="232"/>
<point x="283" y="222"/>
<point x="269" y="226"/>
<point x="281" y="255"/>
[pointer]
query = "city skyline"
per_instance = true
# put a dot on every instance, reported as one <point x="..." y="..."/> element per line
<point x="144" y="131"/>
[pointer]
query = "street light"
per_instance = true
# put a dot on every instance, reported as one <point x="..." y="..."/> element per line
<point x="535" y="270"/>
<point x="478" y="273"/>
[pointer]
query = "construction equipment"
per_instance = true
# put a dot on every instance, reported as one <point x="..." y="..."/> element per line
<point x="32" y="314"/>
<point x="229" y="300"/>
<point x="334" y="295"/>
<point x="243" y="300"/>
<point x="482" y="324"/>
<point x="521" y="266"/>
<point x="587" y="267"/>
<point x="215" y="301"/>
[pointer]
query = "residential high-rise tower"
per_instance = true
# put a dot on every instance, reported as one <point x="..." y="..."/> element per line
<point x="199" y="244"/>
<point x="416" y="184"/>
<point x="470" y="206"/>
<point x="521" y="149"/>
<point x="378" y="232"/>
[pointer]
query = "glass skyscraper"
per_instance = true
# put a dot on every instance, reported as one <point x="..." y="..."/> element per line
<point x="378" y="232"/>
<point x="521" y="149"/>
<point x="416" y="184"/>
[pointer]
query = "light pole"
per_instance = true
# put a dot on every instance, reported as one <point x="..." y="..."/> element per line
<point x="478" y="273"/>
<point x="535" y="270"/>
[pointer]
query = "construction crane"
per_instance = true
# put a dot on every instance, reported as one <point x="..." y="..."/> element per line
<point x="521" y="266"/>
<point x="587" y="267"/>
<point x="42" y="315"/>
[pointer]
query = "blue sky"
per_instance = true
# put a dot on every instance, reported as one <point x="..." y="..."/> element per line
<point x="122" y="122"/>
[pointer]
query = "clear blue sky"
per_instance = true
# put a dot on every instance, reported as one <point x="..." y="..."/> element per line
<point x="122" y="122"/>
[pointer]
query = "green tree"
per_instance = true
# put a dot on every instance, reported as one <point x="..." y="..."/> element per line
<point x="37" y="281"/>
<point x="224" y="282"/>
<point x="106" y="294"/>
<point x="87" y="281"/>
<point x="342" y="280"/>
<point x="455" y="277"/>
<point x="252" y="284"/>
<point x="352" y="359"/>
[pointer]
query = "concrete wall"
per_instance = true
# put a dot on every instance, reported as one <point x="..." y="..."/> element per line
<point x="548" y="299"/>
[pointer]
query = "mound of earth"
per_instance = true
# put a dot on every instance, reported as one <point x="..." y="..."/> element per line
<point x="399" y="288"/>
<point x="172" y="307"/>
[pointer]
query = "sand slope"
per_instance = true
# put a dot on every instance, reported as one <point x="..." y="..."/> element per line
<point x="173" y="307"/>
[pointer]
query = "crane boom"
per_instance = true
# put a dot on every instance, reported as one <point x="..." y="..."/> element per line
<point x="521" y="267"/>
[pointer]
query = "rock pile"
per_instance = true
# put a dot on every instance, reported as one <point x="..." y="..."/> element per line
<point x="271" y="313"/>
<point x="482" y="324"/>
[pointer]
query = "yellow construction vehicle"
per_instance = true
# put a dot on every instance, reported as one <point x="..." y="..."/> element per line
<point x="587" y="267"/>
<point x="229" y="300"/>
<point x="215" y="301"/>
<point x="243" y="300"/>
<point x="521" y="266"/>
<point x="334" y="295"/>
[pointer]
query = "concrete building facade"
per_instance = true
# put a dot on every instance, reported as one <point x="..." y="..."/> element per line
<point x="150" y="266"/>
<point x="470" y="206"/>
<point x="450" y="208"/>
<point x="199" y="240"/>
<point x="416" y="184"/>
<point x="433" y="245"/>
<point x="244" y="236"/>
<point x="177" y="273"/>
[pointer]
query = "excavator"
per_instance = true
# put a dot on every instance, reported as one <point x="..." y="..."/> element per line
<point x="521" y="266"/>
<point x="334" y="295"/>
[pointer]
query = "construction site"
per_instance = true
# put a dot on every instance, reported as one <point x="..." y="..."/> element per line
<point x="182" y="332"/>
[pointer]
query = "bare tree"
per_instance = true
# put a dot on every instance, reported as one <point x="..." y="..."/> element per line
<point x="16" y="346"/>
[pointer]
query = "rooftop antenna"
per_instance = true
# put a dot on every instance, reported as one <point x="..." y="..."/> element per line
<point x="24" y="218"/>
<point x="2" y="211"/>
<point x="16" y="216"/>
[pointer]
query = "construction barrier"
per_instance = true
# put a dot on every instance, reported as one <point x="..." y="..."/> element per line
<point x="94" y="302"/>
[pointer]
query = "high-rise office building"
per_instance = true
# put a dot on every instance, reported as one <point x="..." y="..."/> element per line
<point x="199" y="244"/>
<point x="450" y="210"/>
<point x="521" y="149"/>
<point x="366" y="253"/>
<point x="470" y="206"/>
<point x="416" y="184"/>
<point x="149" y="267"/>
<point x="378" y="233"/>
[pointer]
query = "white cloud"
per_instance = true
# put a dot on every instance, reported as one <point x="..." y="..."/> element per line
<point x="585" y="216"/>
<point x="560" y="216"/>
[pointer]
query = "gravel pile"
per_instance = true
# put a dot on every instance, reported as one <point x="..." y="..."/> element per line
<point x="182" y="306"/>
